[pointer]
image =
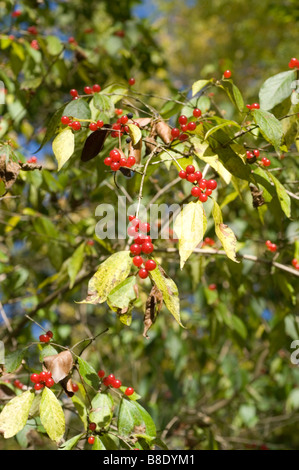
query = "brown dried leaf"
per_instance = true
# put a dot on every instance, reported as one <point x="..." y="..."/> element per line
<point x="143" y="122"/>
<point x="257" y="197"/>
<point x="135" y="151"/>
<point x="152" y="309"/>
<point x="8" y="172"/>
<point x="94" y="143"/>
<point x="60" y="365"/>
<point x="164" y="131"/>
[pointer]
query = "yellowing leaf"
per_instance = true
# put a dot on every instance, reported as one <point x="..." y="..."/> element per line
<point x="190" y="226"/>
<point x="224" y="233"/>
<point x="63" y="146"/>
<point x="12" y="223"/>
<point x="199" y="85"/>
<point x="15" y="414"/>
<point x="135" y="133"/>
<point x="75" y="263"/>
<point x="51" y="415"/>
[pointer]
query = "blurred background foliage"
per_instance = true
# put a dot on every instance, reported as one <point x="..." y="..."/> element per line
<point x="226" y="381"/>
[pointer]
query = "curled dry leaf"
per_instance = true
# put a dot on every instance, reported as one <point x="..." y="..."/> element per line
<point x="59" y="365"/>
<point x="152" y="309"/>
<point x="8" y="172"/>
<point x="257" y="197"/>
<point x="135" y="151"/>
<point x="143" y="122"/>
<point x="164" y="131"/>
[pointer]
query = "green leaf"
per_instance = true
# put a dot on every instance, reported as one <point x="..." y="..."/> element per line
<point x="75" y="262"/>
<point x="111" y="272"/>
<point x="190" y="226"/>
<point x="14" y="360"/>
<point x="123" y="293"/>
<point x="284" y="198"/>
<point x="81" y="409"/>
<point x="54" y="45"/>
<point x="104" y="104"/>
<point x="276" y="89"/>
<point x="233" y="93"/>
<point x="220" y="126"/>
<point x="52" y="126"/>
<point x="78" y="109"/>
<point x="63" y="146"/>
<point x="199" y="85"/>
<point x="133" y="419"/>
<point x="47" y="351"/>
<point x="135" y="133"/>
<point x="88" y="373"/>
<point x="224" y="233"/>
<point x="101" y="411"/>
<point x="98" y="444"/>
<point x="51" y="415"/>
<point x="71" y="443"/>
<point x="15" y="413"/>
<point x="169" y="291"/>
<point x="270" y="127"/>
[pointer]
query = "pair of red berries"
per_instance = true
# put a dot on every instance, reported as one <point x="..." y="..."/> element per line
<point x="208" y="242"/>
<point x="116" y="160"/>
<point x="204" y="187"/>
<point x="41" y="380"/>
<point x="253" y="106"/>
<point x="32" y="160"/>
<point x="142" y="244"/>
<point x="18" y="384"/>
<point x="295" y="263"/>
<point x="46" y="338"/>
<point x="252" y="156"/>
<point x="271" y="246"/>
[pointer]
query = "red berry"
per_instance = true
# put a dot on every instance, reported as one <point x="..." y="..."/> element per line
<point x="76" y="126"/>
<point x="49" y="382"/>
<point x="183" y="137"/>
<point x="129" y="391"/>
<point x="96" y="88"/>
<point x="100" y="123"/>
<point x="137" y="261"/>
<point x="91" y="440"/>
<point x="143" y="273"/>
<point x="139" y="238"/>
<point x="34" y="378"/>
<point x="107" y="161"/>
<point x="115" y="155"/>
<point x="38" y="386"/>
<point x="198" y="175"/>
<point x="182" y="174"/>
<point x="175" y="132"/>
<point x="87" y="90"/>
<point x="248" y="106"/>
<point x="249" y="154"/>
<point x="50" y="333"/>
<point x="196" y="112"/>
<point x="255" y="106"/>
<point x="184" y="127"/>
<point x="183" y="119"/>
<point x="212" y="184"/>
<point x="191" y="126"/>
<point x="150" y="265"/>
<point x="195" y="191"/>
<point x="117" y="383"/>
<point x="131" y="81"/>
<point x="93" y="126"/>
<point x="191" y="178"/>
<point x="135" y="249"/>
<point x="202" y="184"/>
<point x="48" y="374"/>
<point x="256" y="153"/>
<point x="65" y="120"/>
<point x="42" y="376"/>
<point x="293" y="63"/>
<point x="190" y="169"/>
<point x="16" y="13"/>
<point x="132" y="231"/>
<point x="145" y="227"/>
<point x="131" y="217"/>
<point x="124" y="119"/>
<point x="73" y="92"/>
<point x="33" y="159"/>
<point x="75" y="387"/>
<point x="44" y="338"/>
<point x="212" y="287"/>
<point x="203" y="197"/>
<point x="208" y="192"/>
<point x="131" y="161"/>
<point x="147" y="248"/>
<point x="227" y="74"/>
<point x="92" y="426"/>
<point x="265" y="161"/>
<point x="115" y="166"/>
<point x="106" y="381"/>
<point x="101" y="373"/>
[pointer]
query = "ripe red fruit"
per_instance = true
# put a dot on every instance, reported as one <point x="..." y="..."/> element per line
<point x="182" y="174"/>
<point x="131" y="81"/>
<point x="208" y="192"/>
<point x="123" y="161"/>
<point x="265" y="161"/>
<point x="124" y="119"/>
<point x="203" y="183"/>
<point x="195" y="191"/>
<point x="42" y="376"/>
<point x="92" y="426"/>
<point x="227" y="74"/>
<point x="196" y="112"/>
<point x="115" y="166"/>
<point x="38" y="386"/>
<point x="48" y="374"/>
<point x="93" y="126"/>
<point x="135" y="249"/>
<point x="106" y="381"/>
<point x="65" y="120"/>
<point x="76" y="125"/>
<point x="131" y="217"/>
<point x="293" y="63"/>
<point x="115" y="155"/>
<point x="132" y="231"/>
<point x="203" y="197"/>
<point x="183" y="119"/>
<point x="183" y="137"/>
<point x="255" y="106"/>
<point x="131" y="161"/>
<point x="100" y="123"/>
<point x="147" y="248"/>
<point x="191" y="178"/>
<point x="256" y="153"/>
<point x="129" y="391"/>
<point x="191" y="126"/>
<point x="34" y="44"/>
<point x="101" y="373"/>
<point x="198" y="175"/>
<point x="87" y="90"/>
<point x="212" y="184"/>
<point x="150" y="265"/>
<point x="143" y="273"/>
<point x="107" y="161"/>
<point x="73" y="92"/>
<point x="96" y="88"/>
<point x="50" y="334"/>
<point x="137" y="261"/>
<point x="175" y="132"/>
<point x="212" y="287"/>
<point x="295" y="263"/>
<point x="49" y="382"/>
<point x="34" y="378"/>
<point x="91" y="440"/>
<point x="16" y="13"/>
<point x="145" y="227"/>
<point x="116" y="383"/>
<point x="44" y="338"/>
<point x="190" y="169"/>
<point x="75" y="387"/>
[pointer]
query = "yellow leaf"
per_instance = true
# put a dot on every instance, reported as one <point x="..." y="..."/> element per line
<point x="225" y="234"/>
<point x="135" y="133"/>
<point x="63" y="146"/>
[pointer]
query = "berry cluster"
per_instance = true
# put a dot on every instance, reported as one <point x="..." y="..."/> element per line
<point x="116" y="160"/>
<point x="204" y="187"/>
<point x="18" y="384"/>
<point x="295" y="263"/>
<point x="88" y="90"/>
<point x="294" y="63"/>
<point x="111" y="381"/>
<point x="271" y="246"/>
<point x="41" y="380"/>
<point x="32" y="160"/>
<point x="142" y="244"/>
<point x="185" y="126"/>
<point x="46" y="338"/>
<point x="252" y="156"/>
<point x="208" y="242"/>
<point x="253" y="106"/>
